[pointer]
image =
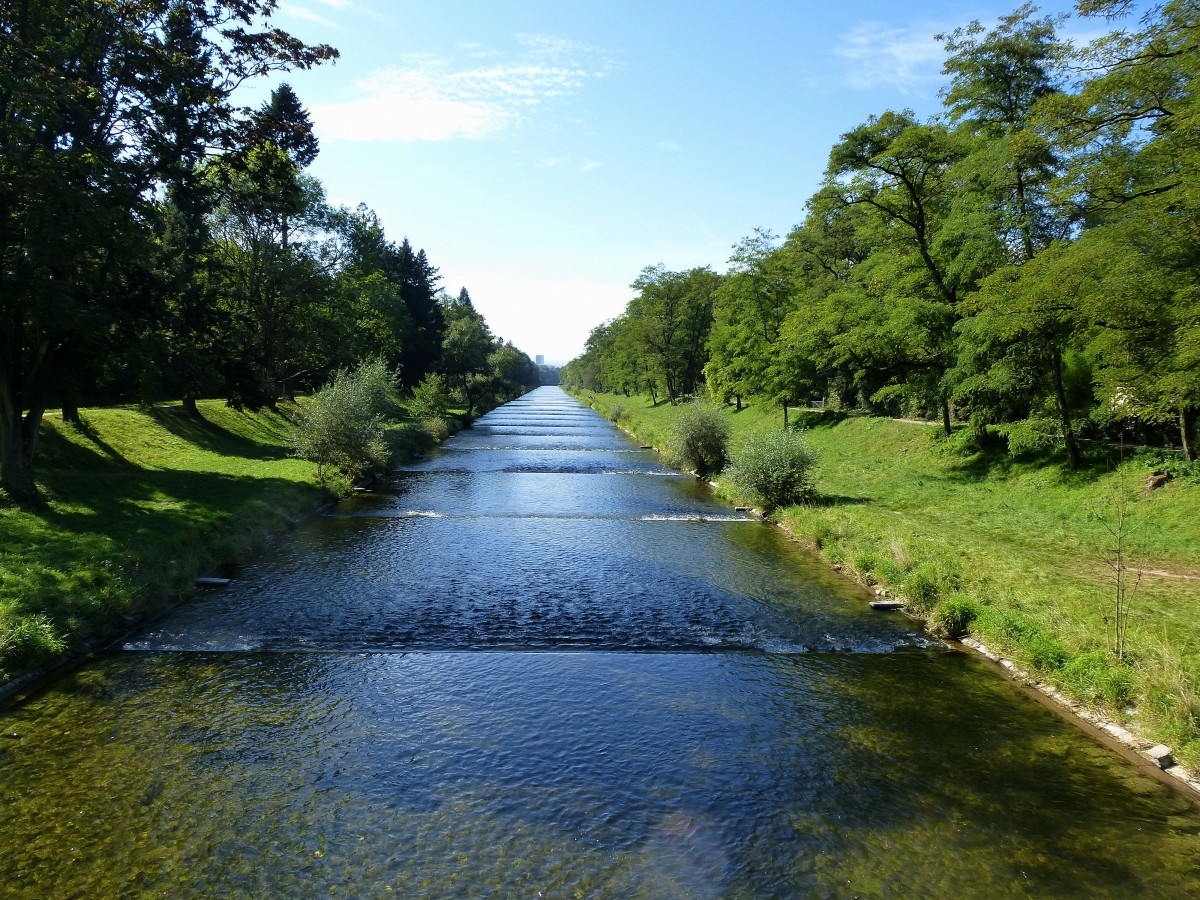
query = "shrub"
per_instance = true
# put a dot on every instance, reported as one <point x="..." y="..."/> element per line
<point x="1173" y="464"/>
<point x="1017" y="632"/>
<point x="921" y="588"/>
<point x="863" y="563"/>
<point x="617" y="411"/>
<point x="341" y="425"/>
<point x="438" y="428"/>
<point x="953" y="616"/>
<point x="700" y="437"/>
<point x="775" y="469"/>
<point x="29" y="639"/>
<point x="963" y="442"/>
<point x="431" y="398"/>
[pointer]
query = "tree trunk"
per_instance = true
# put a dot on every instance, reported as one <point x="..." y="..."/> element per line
<point x="946" y="416"/>
<point x="1060" y="399"/>
<point x="1187" y="421"/>
<point x="738" y="400"/>
<point x="785" y="416"/>
<point x="18" y="440"/>
<point x="70" y="411"/>
<point x="189" y="407"/>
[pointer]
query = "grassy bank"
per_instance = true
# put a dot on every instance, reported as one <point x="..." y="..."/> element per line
<point x="1015" y="551"/>
<point x="139" y="502"/>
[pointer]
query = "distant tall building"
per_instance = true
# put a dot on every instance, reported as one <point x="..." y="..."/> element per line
<point x="540" y="360"/>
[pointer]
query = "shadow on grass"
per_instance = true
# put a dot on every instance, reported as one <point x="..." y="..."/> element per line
<point x="826" y="501"/>
<point x="181" y="505"/>
<point x="815" y="418"/>
<point x="57" y="452"/>
<point x="208" y="435"/>
<point x="998" y="463"/>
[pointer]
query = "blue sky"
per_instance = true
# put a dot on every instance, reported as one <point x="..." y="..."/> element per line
<point x="543" y="152"/>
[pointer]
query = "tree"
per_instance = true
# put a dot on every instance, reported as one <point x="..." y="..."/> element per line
<point x="271" y="289"/>
<point x="1030" y="317"/>
<point x="998" y="79"/>
<point x="749" y="307"/>
<point x="903" y="171"/>
<point x="1132" y="135"/>
<point x="78" y="162"/>
<point x="670" y="318"/>
<point x="418" y="281"/>
<point x="369" y="295"/>
<point x="284" y="122"/>
<point x="466" y="346"/>
<point x="70" y="198"/>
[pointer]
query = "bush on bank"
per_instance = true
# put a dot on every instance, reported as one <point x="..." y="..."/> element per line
<point x="1012" y="551"/>
<point x="775" y="469"/>
<point x="700" y="436"/>
<point x="342" y="424"/>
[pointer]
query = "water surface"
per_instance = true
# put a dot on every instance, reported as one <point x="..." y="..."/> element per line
<point x="529" y="667"/>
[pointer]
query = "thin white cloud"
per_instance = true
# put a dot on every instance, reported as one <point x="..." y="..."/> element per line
<point x="337" y="4"/>
<point x="907" y="58"/>
<point x="428" y="98"/>
<point x="668" y="147"/>
<point x="590" y="166"/>
<point x="303" y="12"/>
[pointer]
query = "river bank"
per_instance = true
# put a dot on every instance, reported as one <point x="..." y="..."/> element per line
<point x="138" y="503"/>
<point x="1015" y="551"/>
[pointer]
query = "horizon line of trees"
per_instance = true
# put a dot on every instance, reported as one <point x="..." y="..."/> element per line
<point x="159" y="242"/>
<point x="1027" y="261"/>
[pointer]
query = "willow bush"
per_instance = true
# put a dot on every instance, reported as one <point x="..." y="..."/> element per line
<point x="775" y="469"/>
<point x="700" y="437"/>
<point x="341" y="427"/>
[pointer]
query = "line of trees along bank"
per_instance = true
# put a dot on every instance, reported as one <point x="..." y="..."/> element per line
<point x="1027" y="259"/>
<point x="157" y="241"/>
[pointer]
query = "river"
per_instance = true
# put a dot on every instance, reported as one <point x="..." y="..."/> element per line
<point x="539" y="663"/>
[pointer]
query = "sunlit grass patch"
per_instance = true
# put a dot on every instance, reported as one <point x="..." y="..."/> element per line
<point x="138" y="501"/>
<point x="1017" y="548"/>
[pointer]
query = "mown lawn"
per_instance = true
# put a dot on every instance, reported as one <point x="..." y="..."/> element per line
<point x="1021" y="544"/>
<point x="138" y="502"/>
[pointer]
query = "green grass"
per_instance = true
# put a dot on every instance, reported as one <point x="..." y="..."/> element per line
<point x="138" y="502"/>
<point x="1014" y="549"/>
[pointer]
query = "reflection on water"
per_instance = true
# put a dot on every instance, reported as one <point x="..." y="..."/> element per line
<point x="388" y="759"/>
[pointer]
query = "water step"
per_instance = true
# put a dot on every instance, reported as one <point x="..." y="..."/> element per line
<point x="211" y="582"/>
<point x="887" y="604"/>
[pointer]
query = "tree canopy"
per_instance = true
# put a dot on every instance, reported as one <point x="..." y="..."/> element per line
<point x="1025" y="261"/>
<point x="159" y="242"/>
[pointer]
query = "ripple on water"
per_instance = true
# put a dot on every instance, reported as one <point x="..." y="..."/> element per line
<point x="716" y="772"/>
<point x="607" y="774"/>
<point x="468" y="583"/>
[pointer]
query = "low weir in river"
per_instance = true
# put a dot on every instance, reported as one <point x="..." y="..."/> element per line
<point x="539" y="663"/>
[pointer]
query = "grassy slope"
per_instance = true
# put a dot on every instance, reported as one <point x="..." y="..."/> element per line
<point x="1024" y="544"/>
<point x="139" y="502"/>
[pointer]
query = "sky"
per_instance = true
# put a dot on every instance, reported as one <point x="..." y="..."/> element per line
<point x="544" y="152"/>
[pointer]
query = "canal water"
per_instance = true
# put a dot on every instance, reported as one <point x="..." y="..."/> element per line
<point x="539" y="663"/>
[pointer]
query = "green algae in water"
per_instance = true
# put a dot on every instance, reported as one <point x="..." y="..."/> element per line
<point x="589" y="774"/>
